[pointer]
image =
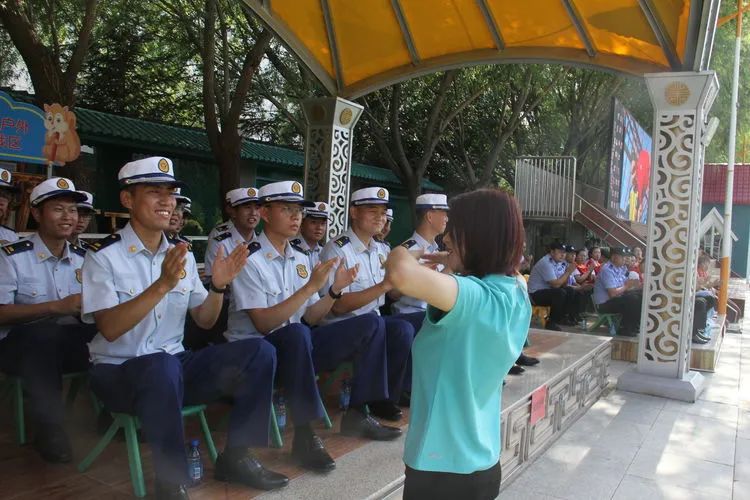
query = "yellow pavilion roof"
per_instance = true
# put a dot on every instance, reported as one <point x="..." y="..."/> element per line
<point x="356" y="46"/>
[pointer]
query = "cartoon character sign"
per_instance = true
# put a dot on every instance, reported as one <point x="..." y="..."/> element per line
<point x="61" y="142"/>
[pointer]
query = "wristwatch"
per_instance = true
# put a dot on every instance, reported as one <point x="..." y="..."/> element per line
<point x="213" y="288"/>
<point x="334" y="296"/>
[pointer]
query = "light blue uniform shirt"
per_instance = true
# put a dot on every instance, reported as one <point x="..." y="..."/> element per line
<point x="459" y="363"/>
<point x="313" y="253"/>
<point x="7" y="235"/>
<point x="405" y="304"/>
<point x="267" y="279"/>
<point x="121" y="270"/>
<point x="371" y="271"/>
<point x="228" y="239"/>
<point x="609" y="276"/>
<point x="30" y="274"/>
<point x="545" y="270"/>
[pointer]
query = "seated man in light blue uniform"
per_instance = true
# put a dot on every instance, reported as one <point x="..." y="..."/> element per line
<point x="138" y="286"/>
<point x="7" y="194"/>
<point x="367" y="293"/>
<point x="432" y="217"/>
<point x="41" y="336"/>
<point x="275" y="297"/>
<point x="615" y="293"/>
<point x="245" y="213"/>
<point x="312" y="232"/>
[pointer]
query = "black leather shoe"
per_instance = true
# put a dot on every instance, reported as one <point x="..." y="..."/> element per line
<point x="53" y="444"/>
<point x="386" y="410"/>
<point x="358" y="424"/>
<point x="697" y="339"/>
<point x="168" y="491"/>
<point x="525" y="360"/>
<point x="515" y="370"/>
<point x="311" y="454"/>
<point x="249" y="471"/>
<point x="552" y="326"/>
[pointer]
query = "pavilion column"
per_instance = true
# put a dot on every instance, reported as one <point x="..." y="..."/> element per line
<point x="328" y="158"/>
<point x="681" y="103"/>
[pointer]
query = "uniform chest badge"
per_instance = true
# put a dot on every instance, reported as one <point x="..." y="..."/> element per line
<point x="183" y="273"/>
<point x="79" y="275"/>
<point x="302" y="271"/>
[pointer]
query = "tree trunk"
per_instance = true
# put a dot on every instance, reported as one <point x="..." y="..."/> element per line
<point x="228" y="161"/>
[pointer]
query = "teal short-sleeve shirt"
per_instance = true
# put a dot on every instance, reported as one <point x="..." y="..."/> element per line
<point x="460" y="359"/>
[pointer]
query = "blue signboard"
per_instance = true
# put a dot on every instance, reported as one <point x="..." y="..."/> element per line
<point x="22" y="131"/>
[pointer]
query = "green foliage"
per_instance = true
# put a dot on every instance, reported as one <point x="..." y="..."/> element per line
<point x="139" y="65"/>
<point x="722" y="61"/>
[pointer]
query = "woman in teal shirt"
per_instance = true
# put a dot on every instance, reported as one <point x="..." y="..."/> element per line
<point x="476" y="324"/>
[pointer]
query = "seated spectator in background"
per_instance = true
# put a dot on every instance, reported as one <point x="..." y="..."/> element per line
<point x="527" y="261"/>
<point x="638" y="253"/>
<point x="595" y="261"/>
<point x="548" y="285"/>
<point x="586" y="273"/>
<point x="634" y="267"/>
<point x="705" y="300"/>
<point x="580" y="292"/>
<point x="85" y="212"/>
<point x="180" y="215"/>
<point x="312" y="231"/>
<point x="383" y="235"/>
<point x="615" y="293"/>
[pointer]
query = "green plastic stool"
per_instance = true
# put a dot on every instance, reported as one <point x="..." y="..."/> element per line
<point x="15" y="387"/>
<point x="130" y="425"/>
<point x="612" y="320"/>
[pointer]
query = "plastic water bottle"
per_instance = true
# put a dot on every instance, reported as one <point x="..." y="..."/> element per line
<point x="345" y="395"/>
<point x="612" y="329"/>
<point x="280" y="412"/>
<point x="195" y="464"/>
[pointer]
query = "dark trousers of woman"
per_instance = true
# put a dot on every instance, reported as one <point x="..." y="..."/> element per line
<point x="424" y="485"/>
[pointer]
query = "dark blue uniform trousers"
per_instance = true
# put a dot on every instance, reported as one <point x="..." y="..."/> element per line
<point x="155" y="387"/>
<point x="302" y="352"/>
<point x="362" y="340"/>
<point x="415" y="319"/>
<point x="295" y="372"/>
<point x="399" y="337"/>
<point x="39" y="353"/>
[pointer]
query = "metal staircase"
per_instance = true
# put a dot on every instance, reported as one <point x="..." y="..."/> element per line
<point x="611" y="230"/>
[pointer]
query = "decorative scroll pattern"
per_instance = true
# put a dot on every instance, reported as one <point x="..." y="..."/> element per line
<point x="327" y="174"/>
<point x="570" y="394"/>
<point x="317" y="155"/>
<point x="338" y="184"/>
<point x="671" y="280"/>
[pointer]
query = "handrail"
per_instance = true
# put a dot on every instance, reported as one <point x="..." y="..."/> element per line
<point x="607" y="234"/>
<point x="608" y="216"/>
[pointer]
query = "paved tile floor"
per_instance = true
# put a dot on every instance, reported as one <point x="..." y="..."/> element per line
<point x="630" y="446"/>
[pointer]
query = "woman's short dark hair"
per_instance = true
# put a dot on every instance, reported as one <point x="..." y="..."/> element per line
<point x="487" y="230"/>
